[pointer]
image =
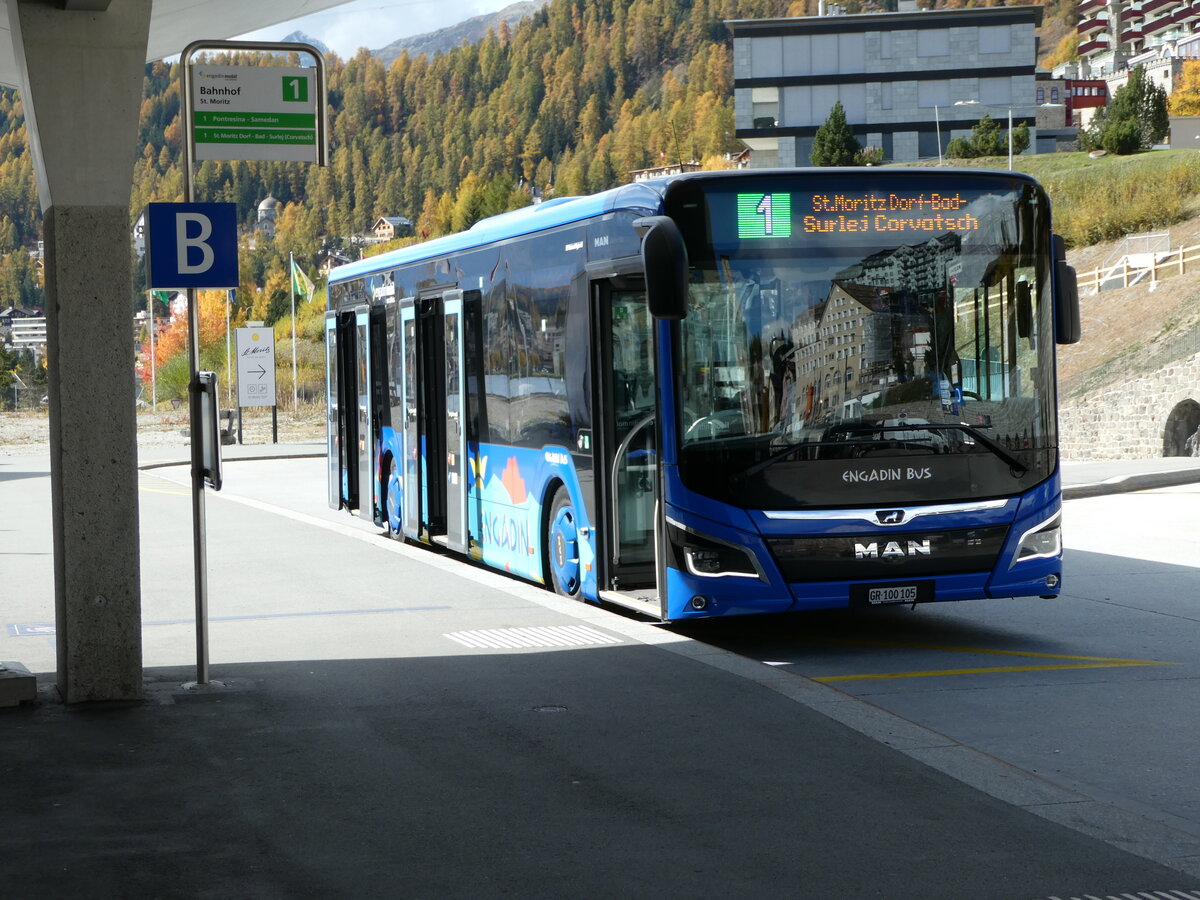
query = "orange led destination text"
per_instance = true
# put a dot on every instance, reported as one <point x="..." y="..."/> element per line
<point x="878" y="212"/>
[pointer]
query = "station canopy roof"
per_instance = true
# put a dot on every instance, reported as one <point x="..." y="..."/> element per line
<point x="176" y="23"/>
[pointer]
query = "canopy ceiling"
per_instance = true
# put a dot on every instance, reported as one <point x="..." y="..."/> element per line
<point x="176" y="23"/>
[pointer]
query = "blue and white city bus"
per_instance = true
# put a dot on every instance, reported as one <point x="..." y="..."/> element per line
<point x="720" y="393"/>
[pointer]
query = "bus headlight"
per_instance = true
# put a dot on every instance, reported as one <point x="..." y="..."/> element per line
<point x="1042" y="541"/>
<point x="709" y="557"/>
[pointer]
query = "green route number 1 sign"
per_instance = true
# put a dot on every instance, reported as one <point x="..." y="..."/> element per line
<point x="254" y="113"/>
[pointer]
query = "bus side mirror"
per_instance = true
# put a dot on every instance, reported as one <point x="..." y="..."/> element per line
<point x="1066" y="295"/>
<point x="664" y="260"/>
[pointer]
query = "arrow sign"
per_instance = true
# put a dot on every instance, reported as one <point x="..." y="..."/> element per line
<point x="256" y="366"/>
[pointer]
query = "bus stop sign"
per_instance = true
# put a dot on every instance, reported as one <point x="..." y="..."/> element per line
<point x="191" y="245"/>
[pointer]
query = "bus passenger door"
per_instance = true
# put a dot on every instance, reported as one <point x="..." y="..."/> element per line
<point x="410" y="401"/>
<point x="456" y="422"/>
<point x="628" y="455"/>
<point x="364" y="448"/>
<point x="436" y="480"/>
<point x="333" y="426"/>
<point x="342" y="410"/>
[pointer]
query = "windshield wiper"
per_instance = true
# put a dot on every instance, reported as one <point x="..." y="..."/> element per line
<point x="1015" y="466"/>
<point x="781" y="455"/>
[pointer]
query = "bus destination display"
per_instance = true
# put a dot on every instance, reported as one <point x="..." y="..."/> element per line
<point x="769" y="215"/>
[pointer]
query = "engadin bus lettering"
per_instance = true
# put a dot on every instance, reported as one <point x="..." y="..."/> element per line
<point x="892" y="473"/>
<point x="839" y="391"/>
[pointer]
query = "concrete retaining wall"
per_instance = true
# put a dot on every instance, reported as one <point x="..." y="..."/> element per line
<point x="1150" y="416"/>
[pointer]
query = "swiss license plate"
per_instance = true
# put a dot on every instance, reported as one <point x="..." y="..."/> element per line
<point x="884" y="594"/>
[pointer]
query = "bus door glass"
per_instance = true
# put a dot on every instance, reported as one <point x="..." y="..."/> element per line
<point x="364" y="449"/>
<point x="631" y="462"/>
<point x="380" y="406"/>
<point x="410" y="402"/>
<point x="456" y="422"/>
<point x="343" y="379"/>
<point x="333" y="457"/>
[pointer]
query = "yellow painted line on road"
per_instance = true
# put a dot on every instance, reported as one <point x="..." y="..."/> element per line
<point x="1026" y="653"/>
<point x="178" y="492"/>
<point x="1113" y="664"/>
<point x="1077" y="662"/>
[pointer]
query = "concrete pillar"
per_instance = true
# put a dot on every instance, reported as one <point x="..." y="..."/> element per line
<point x="81" y="83"/>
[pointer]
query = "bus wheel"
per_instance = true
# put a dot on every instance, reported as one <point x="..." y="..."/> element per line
<point x="562" y="545"/>
<point x="393" y="495"/>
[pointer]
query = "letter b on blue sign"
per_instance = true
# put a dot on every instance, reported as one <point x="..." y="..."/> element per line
<point x="191" y="245"/>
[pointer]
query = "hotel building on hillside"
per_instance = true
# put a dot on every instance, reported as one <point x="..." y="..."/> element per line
<point x="1117" y="35"/>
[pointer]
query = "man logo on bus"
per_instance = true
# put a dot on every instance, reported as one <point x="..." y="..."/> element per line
<point x="890" y="516"/>
<point x="892" y="550"/>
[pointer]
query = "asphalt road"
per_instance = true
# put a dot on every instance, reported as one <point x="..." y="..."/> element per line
<point x="1004" y="677"/>
<point x="1098" y="690"/>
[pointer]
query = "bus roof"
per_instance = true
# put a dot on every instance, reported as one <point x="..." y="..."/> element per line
<point x="644" y="196"/>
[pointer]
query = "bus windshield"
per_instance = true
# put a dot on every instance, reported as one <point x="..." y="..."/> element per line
<point x="865" y="339"/>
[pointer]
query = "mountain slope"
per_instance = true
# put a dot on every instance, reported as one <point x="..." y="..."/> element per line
<point x="470" y="31"/>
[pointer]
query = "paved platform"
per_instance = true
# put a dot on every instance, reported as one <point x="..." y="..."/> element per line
<point x="586" y="755"/>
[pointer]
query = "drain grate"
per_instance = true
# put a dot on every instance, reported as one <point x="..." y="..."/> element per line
<point x="533" y="636"/>
<point x="1141" y="895"/>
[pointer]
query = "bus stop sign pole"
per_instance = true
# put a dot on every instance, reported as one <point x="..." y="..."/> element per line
<point x="244" y="112"/>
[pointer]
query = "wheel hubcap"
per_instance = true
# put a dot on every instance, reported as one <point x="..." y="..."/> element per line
<point x="564" y="550"/>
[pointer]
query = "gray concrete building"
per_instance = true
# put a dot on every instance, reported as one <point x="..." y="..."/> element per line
<point x="908" y="81"/>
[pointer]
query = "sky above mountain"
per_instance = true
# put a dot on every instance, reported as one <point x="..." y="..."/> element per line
<point x="376" y="23"/>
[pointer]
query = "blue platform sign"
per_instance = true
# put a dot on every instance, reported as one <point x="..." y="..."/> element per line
<point x="191" y="245"/>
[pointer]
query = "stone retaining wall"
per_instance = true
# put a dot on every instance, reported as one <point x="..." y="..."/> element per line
<point x="1151" y="416"/>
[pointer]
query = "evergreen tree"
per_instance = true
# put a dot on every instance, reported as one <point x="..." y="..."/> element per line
<point x="1139" y="106"/>
<point x="834" y="143"/>
<point x="986" y="138"/>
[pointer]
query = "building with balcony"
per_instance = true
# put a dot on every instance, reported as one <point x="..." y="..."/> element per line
<point x="1116" y="35"/>
<point x="908" y="81"/>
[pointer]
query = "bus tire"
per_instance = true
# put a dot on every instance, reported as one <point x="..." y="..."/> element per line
<point x="562" y="545"/>
<point x="392" y="498"/>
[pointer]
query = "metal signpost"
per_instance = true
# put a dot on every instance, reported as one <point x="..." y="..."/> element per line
<point x="194" y="245"/>
<point x="248" y="112"/>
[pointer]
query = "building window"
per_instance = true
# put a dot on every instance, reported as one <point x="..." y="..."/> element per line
<point x="764" y="103"/>
<point x="1053" y="95"/>
<point x="885" y="45"/>
<point x="885" y="95"/>
<point x="933" y="42"/>
<point x="1041" y="96"/>
<point x="995" y="91"/>
<point x="995" y="39"/>
<point x="797" y="106"/>
<point x="766" y="57"/>
<point x="933" y="93"/>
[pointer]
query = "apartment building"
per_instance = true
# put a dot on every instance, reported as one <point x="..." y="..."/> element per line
<point x="908" y="81"/>
<point x="1115" y="35"/>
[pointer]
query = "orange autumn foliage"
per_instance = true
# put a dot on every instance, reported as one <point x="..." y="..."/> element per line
<point x="171" y="340"/>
